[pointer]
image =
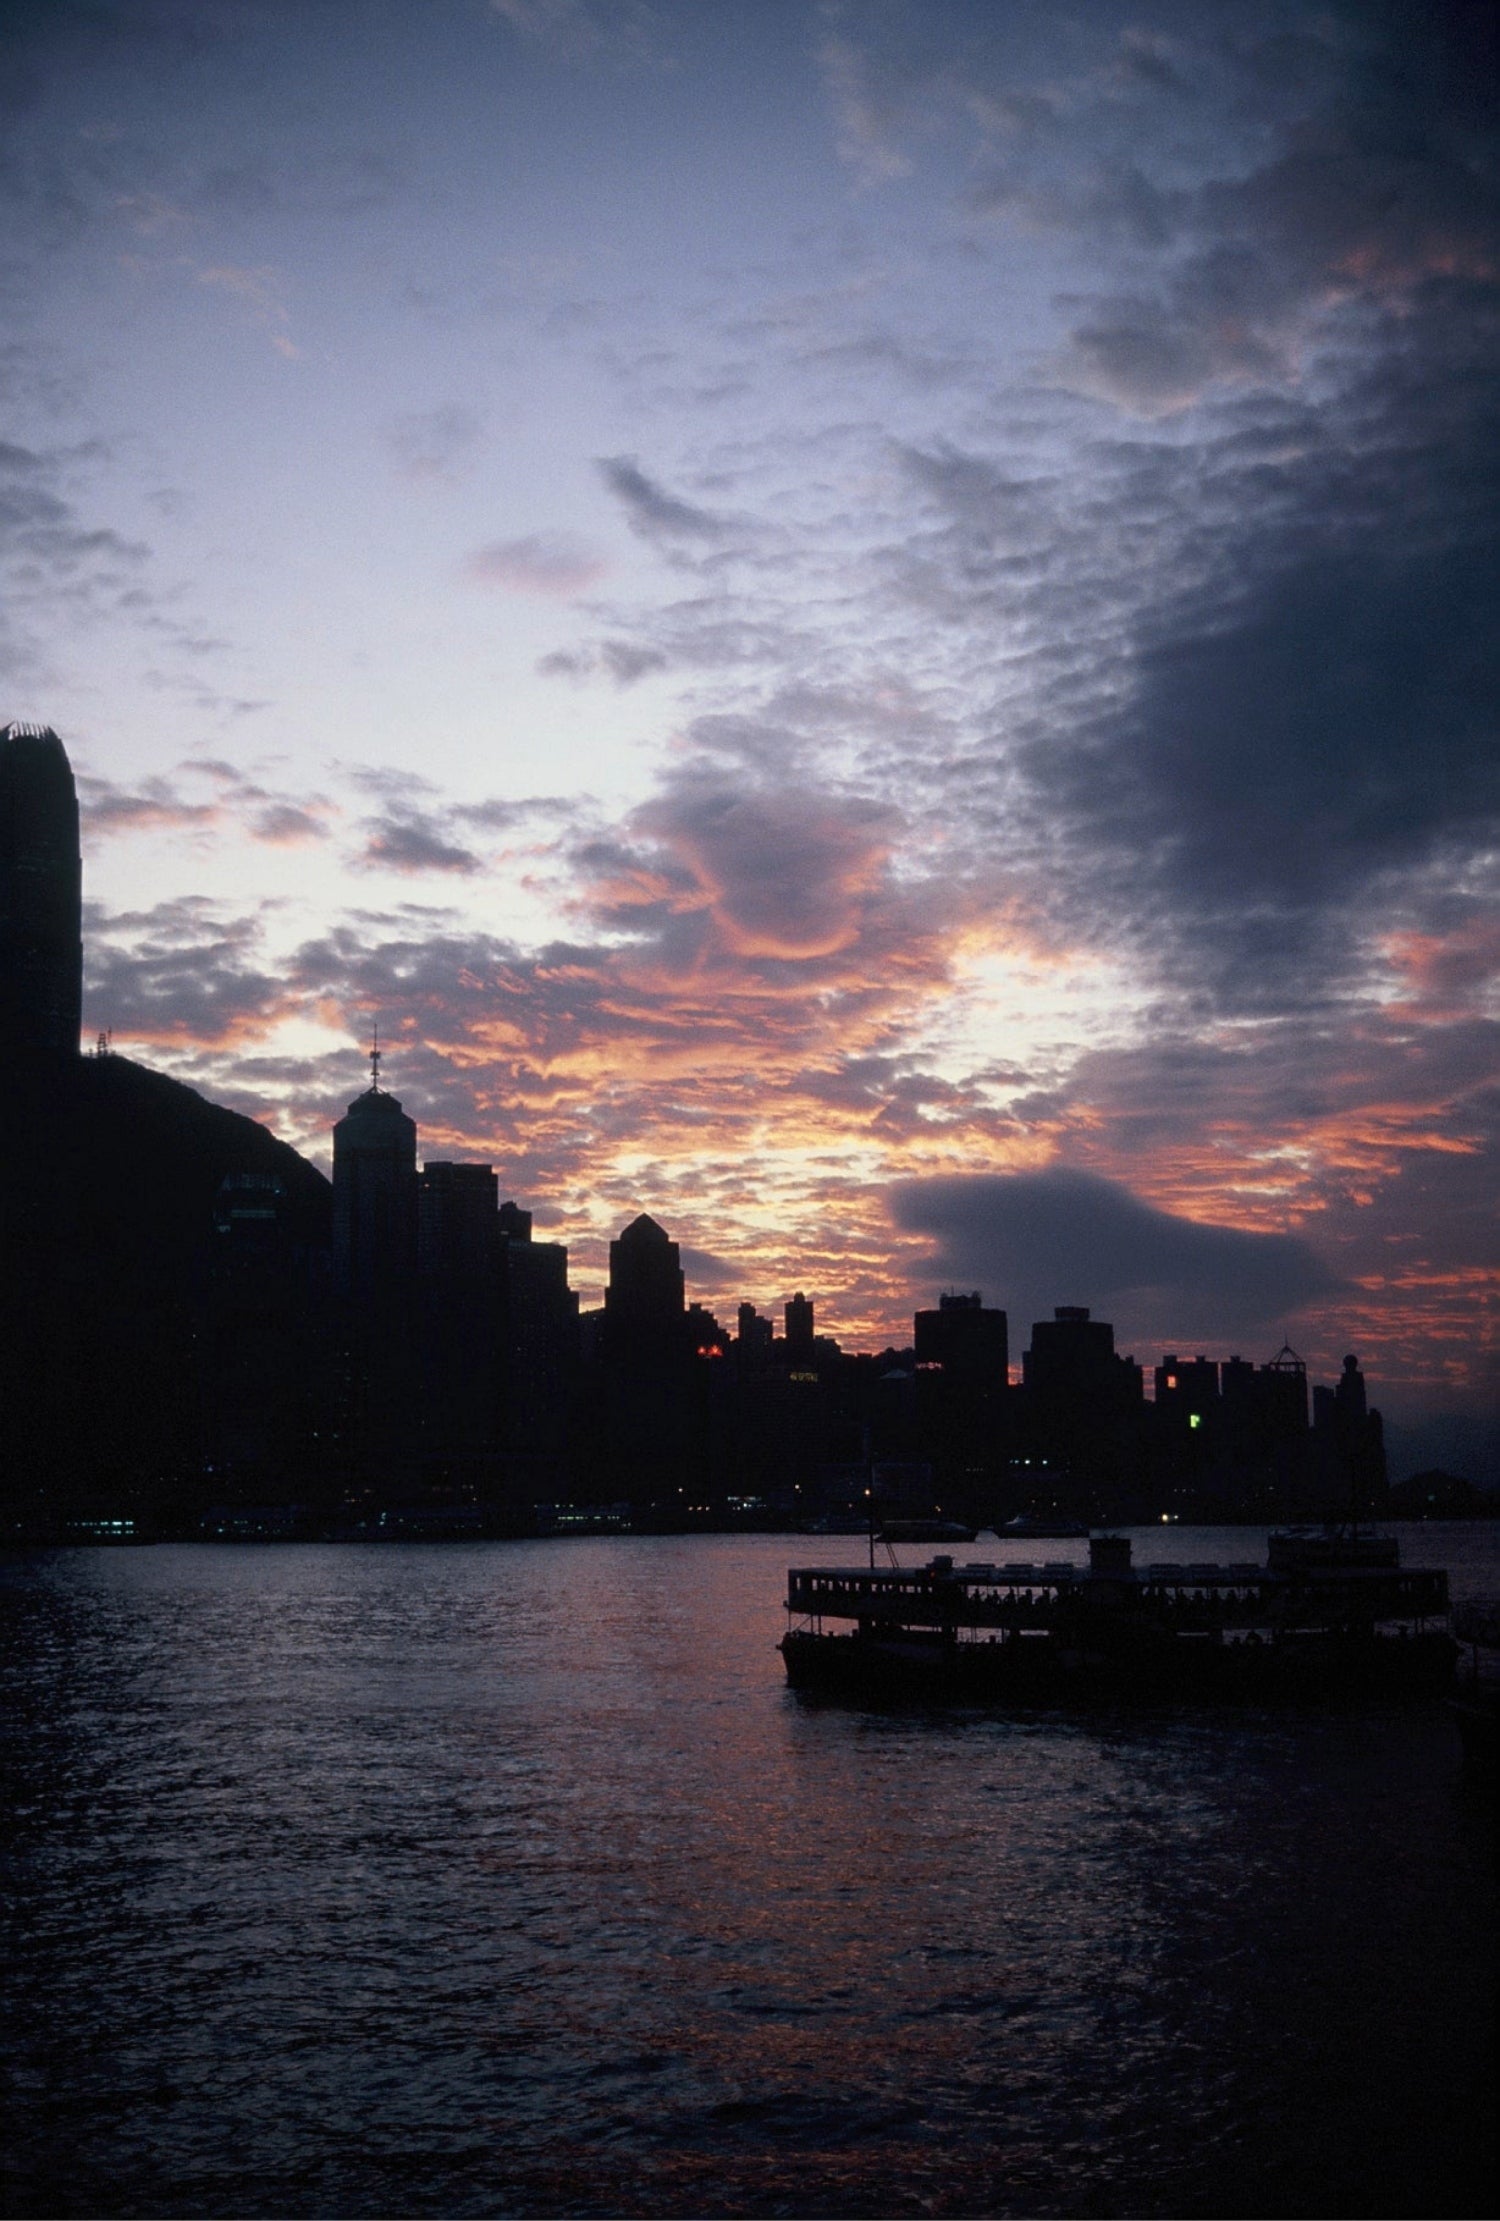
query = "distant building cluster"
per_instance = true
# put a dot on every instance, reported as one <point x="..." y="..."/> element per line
<point x="456" y="1369"/>
<point x="194" y="1320"/>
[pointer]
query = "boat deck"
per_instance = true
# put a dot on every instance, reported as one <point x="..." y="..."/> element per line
<point x="985" y="1597"/>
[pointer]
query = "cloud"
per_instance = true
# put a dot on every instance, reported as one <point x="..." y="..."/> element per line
<point x="182" y="972"/>
<point x="651" y="511"/>
<point x="785" y="871"/>
<point x="1301" y="723"/>
<point x="623" y="661"/>
<point x="1452" y="972"/>
<point x="408" y="842"/>
<point x="1036" y="1239"/>
<point x="162" y="804"/>
<point x="152" y="805"/>
<point x="547" y="563"/>
<point x="52" y="558"/>
<point x="288" y="825"/>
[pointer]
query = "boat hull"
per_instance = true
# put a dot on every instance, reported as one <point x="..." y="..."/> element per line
<point x="1042" y="1669"/>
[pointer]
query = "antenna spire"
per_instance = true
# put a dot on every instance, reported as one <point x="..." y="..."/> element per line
<point x="375" y="1059"/>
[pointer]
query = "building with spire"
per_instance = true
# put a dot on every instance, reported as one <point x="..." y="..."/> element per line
<point x="41" y="894"/>
<point x="374" y="1196"/>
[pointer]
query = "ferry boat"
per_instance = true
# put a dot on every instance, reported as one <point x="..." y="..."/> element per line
<point x="1037" y="1633"/>
<point x="1040" y="1527"/>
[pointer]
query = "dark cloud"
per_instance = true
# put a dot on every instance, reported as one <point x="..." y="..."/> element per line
<point x="1304" y="720"/>
<point x="624" y="661"/>
<point x="707" y="1274"/>
<point x="1246" y="707"/>
<point x="502" y="814"/>
<point x="1037" y="1239"/>
<point x="181" y="972"/>
<point x="785" y="869"/>
<point x="152" y="803"/>
<point x="178" y="804"/>
<point x="287" y="825"/>
<point x="407" y="842"/>
<point x="51" y="554"/>
<point x="651" y="511"/>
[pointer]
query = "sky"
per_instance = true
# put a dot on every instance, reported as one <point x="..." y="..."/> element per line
<point x="865" y="624"/>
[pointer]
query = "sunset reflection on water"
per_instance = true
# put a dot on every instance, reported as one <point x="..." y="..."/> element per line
<point x="512" y="1879"/>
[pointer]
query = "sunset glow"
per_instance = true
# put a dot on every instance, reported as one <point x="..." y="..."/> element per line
<point x="868" y="628"/>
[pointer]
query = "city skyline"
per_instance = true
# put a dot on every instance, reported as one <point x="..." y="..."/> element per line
<point x="862" y="628"/>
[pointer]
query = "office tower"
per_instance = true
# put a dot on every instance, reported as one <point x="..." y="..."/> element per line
<point x="799" y="1330"/>
<point x="1349" y="1445"/>
<point x="256" y="1342"/>
<point x="1349" y="1395"/>
<point x="458" y="1322"/>
<point x="644" y="1413"/>
<point x="1187" y="1391"/>
<point x="756" y="1336"/>
<point x="962" y="1356"/>
<point x="458" y="1226"/>
<point x="41" y="893"/>
<point x="1072" y="1357"/>
<point x="1083" y="1401"/>
<point x="540" y="1349"/>
<point x="644" y="1301"/>
<point x="964" y="1340"/>
<point x="374" y="1195"/>
<point x="1283" y="1390"/>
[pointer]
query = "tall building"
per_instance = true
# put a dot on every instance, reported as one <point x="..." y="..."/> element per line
<point x="374" y="1195"/>
<point x="964" y="1340"/>
<point x="1349" y="1445"/>
<point x="1072" y="1359"/>
<point x="41" y="893"/>
<point x="1083" y="1400"/>
<point x="458" y="1323"/>
<point x="962" y="1363"/>
<point x="644" y="1301"/>
<point x="756" y="1337"/>
<point x="799" y="1330"/>
<point x="539" y="1342"/>
<point x="643" y="1413"/>
<point x="1283" y="1387"/>
<point x="1187" y="1390"/>
<point x="458" y="1226"/>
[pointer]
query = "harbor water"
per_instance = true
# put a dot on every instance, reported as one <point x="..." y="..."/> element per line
<point x="511" y="1879"/>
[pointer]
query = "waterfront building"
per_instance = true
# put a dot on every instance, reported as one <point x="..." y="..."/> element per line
<point x="1082" y="1409"/>
<point x="962" y="1369"/>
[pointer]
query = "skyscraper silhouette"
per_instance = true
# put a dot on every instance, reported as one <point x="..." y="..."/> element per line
<point x="644" y="1301"/>
<point x="374" y="1197"/>
<point x="41" y="893"/>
